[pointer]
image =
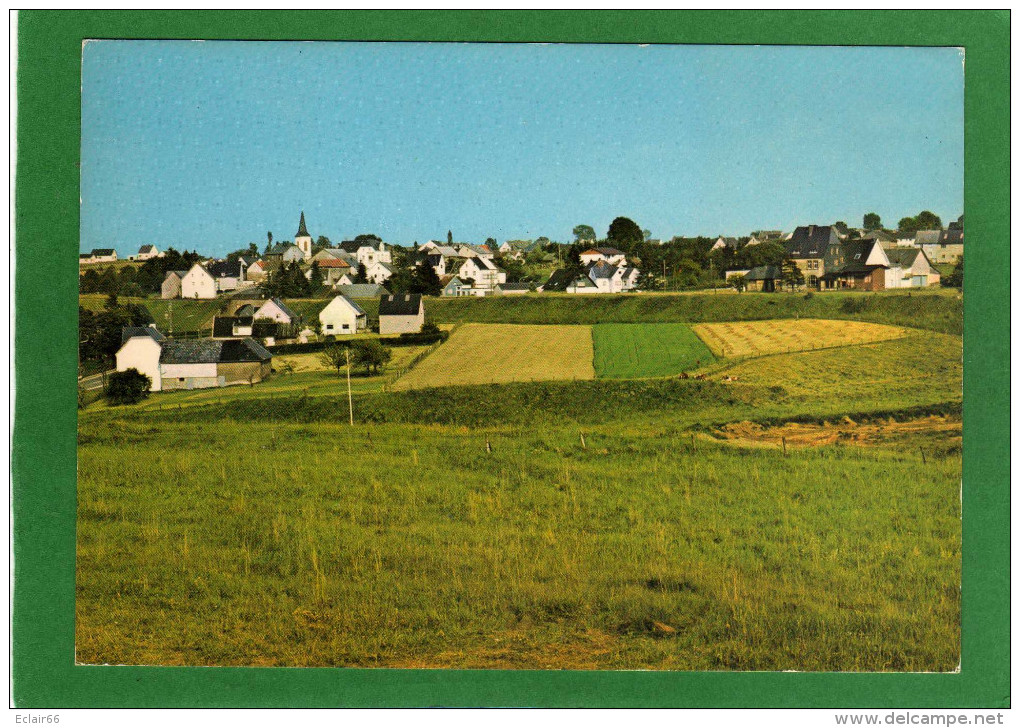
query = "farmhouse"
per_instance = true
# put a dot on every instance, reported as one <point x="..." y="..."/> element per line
<point x="765" y="236"/>
<point x="192" y="364"/>
<point x="378" y="272"/>
<point x="814" y="248"/>
<point x="103" y="255"/>
<point x="280" y="254"/>
<point x="342" y="316"/>
<point x="198" y="283"/>
<point x="333" y="271"/>
<point x="171" y="287"/>
<point x="276" y="310"/>
<point x="366" y="251"/>
<point x="485" y="274"/>
<point x="765" y="278"/>
<point x="454" y="286"/>
<point x="401" y="314"/>
<point x="915" y="270"/>
<point x="731" y="243"/>
<point x="256" y="272"/>
<point x="229" y="275"/>
<point x="860" y="265"/>
<point x="147" y="252"/>
<point x="948" y="248"/>
<point x="226" y="327"/>
<point x="610" y="255"/>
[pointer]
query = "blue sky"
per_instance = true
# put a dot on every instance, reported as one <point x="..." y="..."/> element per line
<point x="209" y="145"/>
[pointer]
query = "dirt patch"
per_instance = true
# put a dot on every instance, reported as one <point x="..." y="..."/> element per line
<point x="946" y="430"/>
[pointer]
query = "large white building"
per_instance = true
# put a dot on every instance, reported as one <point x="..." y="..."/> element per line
<point x="342" y="316"/>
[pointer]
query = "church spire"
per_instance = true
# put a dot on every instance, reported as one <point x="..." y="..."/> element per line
<point x="302" y="230"/>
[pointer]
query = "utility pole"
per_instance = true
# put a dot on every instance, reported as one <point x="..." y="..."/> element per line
<point x="350" y="401"/>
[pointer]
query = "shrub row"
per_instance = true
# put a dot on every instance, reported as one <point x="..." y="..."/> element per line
<point x="402" y="340"/>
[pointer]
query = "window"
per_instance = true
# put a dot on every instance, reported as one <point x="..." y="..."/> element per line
<point x="346" y="327"/>
<point x="329" y="327"/>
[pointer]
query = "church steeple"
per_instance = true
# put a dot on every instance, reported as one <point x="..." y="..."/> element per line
<point x="303" y="240"/>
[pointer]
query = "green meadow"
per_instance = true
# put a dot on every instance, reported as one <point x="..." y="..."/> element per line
<point x="599" y="524"/>
<point x="632" y="351"/>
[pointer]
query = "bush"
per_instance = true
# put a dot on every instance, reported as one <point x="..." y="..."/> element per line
<point x="128" y="387"/>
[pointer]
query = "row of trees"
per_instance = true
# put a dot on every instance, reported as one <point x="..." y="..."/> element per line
<point x="367" y="353"/>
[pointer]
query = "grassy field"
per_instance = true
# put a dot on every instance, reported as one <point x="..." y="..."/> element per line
<point x="491" y="353"/>
<point x="390" y="545"/>
<point x="938" y="310"/>
<point x="629" y="351"/>
<point x="754" y="338"/>
<point x="473" y="527"/>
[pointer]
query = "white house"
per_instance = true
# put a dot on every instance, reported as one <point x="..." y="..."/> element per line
<point x="103" y="255"/>
<point x="721" y="243"/>
<point x="147" y="252"/>
<point x="378" y="272"/>
<point x="276" y="310"/>
<point x="484" y="273"/>
<point x="140" y="349"/>
<point x="228" y="274"/>
<point x="198" y="283"/>
<point x="342" y="316"/>
<point x="401" y="314"/>
<point x="172" y="283"/>
<point x="256" y="271"/>
<point x="192" y="363"/>
<point x="610" y="255"/>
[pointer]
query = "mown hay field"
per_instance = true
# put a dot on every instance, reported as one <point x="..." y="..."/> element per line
<point x="492" y="353"/>
<point x="631" y="351"/>
<point x="756" y="338"/>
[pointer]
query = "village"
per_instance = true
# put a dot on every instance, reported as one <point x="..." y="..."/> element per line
<point x="253" y="316"/>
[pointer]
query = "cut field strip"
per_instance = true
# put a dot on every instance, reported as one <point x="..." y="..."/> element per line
<point x="757" y="338"/>
<point x="495" y="353"/>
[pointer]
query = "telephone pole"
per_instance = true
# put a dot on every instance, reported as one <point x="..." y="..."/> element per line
<point x="350" y="401"/>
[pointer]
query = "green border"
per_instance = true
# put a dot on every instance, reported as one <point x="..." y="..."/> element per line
<point x="49" y="47"/>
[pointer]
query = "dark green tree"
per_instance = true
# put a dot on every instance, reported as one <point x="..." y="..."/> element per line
<point x="425" y="280"/>
<point x="793" y="276"/>
<point x="370" y="354"/>
<point x="954" y="279"/>
<point x="449" y="237"/>
<point x="127" y="387"/>
<point x="872" y="221"/>
<point x="624" y="234"/>
<point x="362" y="275"/>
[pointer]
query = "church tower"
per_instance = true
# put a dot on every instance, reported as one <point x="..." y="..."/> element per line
<point x="303" y="240"/>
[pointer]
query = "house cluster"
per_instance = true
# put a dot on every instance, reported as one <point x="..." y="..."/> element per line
<point x="463" y="269"/>
<point x="605" y="270"/>
<point x="236" y="352"/>
<point x="874" y="261"/>
<point x="98" y="255"/>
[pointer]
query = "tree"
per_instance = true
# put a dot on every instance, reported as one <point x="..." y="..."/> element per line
<point x="269" y="240"/>
<point x="584" y="233"/>
<point x="370" y="354"/>
<point x="872" y="221"/>
<point x="646" y="234"/>
<point x="738" y="282"/>
<point x="624" y="233"/>
<point x="793" y="276"/>
<point x="425" y="280"/>
<point x="335" y="357"/>
<point x="323" y="242"/>
<point x="927" y="220"/>
<point x="841" y="227"/>
<point x="316" y="280"/>
<point x="955" y="279"/>
<point x="362" y="275"/>
<point x="128" y="387"/>
<point x="491" y="242"/>
<point x="367" y="238"/>
<point x="111" y="302"/>
<point x="449" y="237"/>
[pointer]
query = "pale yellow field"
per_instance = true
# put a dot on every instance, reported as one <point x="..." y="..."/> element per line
<point x="312" y="362"/>
<point x="489" y="353"/>
<point x="754" y="338"/>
